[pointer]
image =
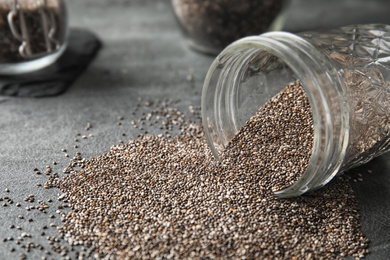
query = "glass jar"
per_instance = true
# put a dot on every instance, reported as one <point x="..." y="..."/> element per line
<point x="345" y="73"/>
<point x="32" y="34"/>
<point x="212" y="25"/>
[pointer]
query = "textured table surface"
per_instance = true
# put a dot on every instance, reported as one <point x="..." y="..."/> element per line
<point x="144" y="55"/>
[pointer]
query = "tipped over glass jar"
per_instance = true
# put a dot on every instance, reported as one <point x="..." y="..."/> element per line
<point x="345" y="73"/>
<point x="211" y="25"/>
<point x="32" y="34"/>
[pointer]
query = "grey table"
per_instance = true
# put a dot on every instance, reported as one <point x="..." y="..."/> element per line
<point x="144" y="55"/>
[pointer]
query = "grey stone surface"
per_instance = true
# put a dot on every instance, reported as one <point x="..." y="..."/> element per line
<point x="143" y="55"/>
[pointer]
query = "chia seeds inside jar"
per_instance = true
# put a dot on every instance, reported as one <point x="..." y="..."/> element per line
<point x="345" y="74"/>
<point x="212" y="25"/>
<point x="32" y="34"/>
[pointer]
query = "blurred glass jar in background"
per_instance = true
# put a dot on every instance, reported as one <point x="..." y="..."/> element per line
<point x="211" y="25"/>
<point x="32" y="34"/>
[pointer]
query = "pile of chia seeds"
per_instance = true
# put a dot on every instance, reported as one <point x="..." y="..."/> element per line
<point x="164" y="196"/>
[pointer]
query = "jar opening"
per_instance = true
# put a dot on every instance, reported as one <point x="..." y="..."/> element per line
<point x="251" y="71"/>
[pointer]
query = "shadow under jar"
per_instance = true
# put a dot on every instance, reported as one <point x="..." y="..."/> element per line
<point x="32" y="34"/>
<point x="211" y="25"/>
<point x="345" y="73"/>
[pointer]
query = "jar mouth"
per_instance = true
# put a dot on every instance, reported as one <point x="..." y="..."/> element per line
<point x="295" y="59"/>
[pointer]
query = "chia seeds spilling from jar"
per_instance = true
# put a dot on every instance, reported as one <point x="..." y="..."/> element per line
<point x="165" y="196"/>
<point x="345" y="73"/>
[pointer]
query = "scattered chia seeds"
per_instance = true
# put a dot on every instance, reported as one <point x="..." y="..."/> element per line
<point x="165" y="196"/>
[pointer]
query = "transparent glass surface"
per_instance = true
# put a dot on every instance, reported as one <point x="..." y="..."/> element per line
<point x="361" y="54"/>
<point x="32" y="34"/>
<point x="345" y="73"/>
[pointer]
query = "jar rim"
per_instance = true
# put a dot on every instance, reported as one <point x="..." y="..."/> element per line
<point x="327" y="97"/>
